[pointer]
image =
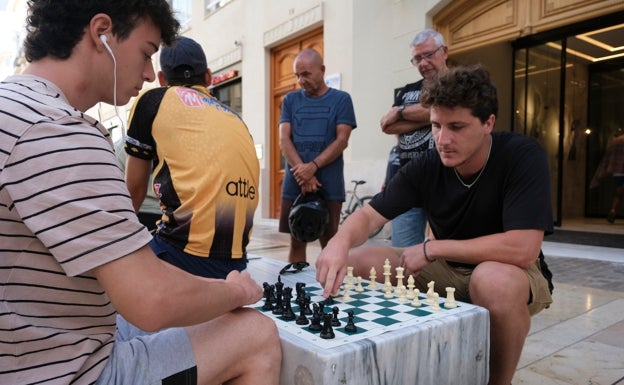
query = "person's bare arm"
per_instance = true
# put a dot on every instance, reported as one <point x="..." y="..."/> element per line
<point x="331" y="264"/>
<point x="516" y="247"/>
<point x="415" y="116"/>
<point x="305" y="180"/>
<point x="152" y="294"/>
<point x="337" y="147"/>
<point x="287" y="146"/>
<point x="137" y="176"/>
<point x="305" y="171"/>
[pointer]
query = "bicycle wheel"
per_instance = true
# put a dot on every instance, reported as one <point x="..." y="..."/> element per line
<point x="363" y="202"/>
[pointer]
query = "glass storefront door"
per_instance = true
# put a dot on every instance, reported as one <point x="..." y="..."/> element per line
<point x="569" y="96"/>
<point x="537" y="79"/>
<point x="606" y="123"/>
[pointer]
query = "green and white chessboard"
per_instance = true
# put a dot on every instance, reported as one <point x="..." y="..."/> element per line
<point x="373" y="315"/>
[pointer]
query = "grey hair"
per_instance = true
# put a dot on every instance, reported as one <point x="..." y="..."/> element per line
<point x="427" y="34"/>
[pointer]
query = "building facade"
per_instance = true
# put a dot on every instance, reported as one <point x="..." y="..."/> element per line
<point x="558" y="65"/>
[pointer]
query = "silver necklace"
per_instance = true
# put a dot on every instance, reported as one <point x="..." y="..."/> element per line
<point x="468" y="186"/>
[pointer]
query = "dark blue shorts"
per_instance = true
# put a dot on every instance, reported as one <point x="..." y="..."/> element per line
<point x="202" y="266"/>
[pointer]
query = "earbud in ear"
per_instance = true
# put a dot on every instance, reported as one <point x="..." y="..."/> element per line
<point x="104" y="39"/>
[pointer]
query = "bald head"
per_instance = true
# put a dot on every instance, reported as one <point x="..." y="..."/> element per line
<point x="310" y="56"/>
<point x="310" y="72"/>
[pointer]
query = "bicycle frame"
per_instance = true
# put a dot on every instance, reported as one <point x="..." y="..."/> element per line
<point x="356" y="202"/>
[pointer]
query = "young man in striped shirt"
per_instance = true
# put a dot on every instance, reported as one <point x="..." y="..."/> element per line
<point x="72" y="252"/>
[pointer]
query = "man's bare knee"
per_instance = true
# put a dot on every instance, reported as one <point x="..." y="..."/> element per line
<point x="498" y="284"/>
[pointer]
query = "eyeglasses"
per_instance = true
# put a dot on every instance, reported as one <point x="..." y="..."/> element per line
<point x="427" y="56"/>
<point x="295" y="267"/>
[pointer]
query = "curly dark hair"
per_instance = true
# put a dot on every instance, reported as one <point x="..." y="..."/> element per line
<point x="464" y="86"/>
<point x="55" y="26"/>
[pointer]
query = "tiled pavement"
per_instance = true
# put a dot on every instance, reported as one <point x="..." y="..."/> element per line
<point x="605" y="275"/>
<point x="579" y="340"/>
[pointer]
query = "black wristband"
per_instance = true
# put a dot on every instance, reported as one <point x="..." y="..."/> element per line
<point x="425" y="251"/>
<point x="317" y="166"/>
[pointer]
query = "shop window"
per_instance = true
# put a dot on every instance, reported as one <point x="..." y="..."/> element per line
<point x="230" y="94"/>
<point x="568" y="93"/>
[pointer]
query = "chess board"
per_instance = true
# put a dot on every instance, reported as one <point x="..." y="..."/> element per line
<point x="373" y="315"/>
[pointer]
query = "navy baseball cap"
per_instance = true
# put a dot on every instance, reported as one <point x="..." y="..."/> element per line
<point x="184" y="59"/>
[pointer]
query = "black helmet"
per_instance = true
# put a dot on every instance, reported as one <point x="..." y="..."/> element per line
<point x="308" y="217"/>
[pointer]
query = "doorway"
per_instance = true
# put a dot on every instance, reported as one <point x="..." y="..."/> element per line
<point x="283" y="81"/>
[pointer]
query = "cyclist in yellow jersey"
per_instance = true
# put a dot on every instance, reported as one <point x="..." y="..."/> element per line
<point x="205" y="167"/>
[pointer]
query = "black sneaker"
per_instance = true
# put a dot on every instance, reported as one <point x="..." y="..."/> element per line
<point x="611" y="217"/>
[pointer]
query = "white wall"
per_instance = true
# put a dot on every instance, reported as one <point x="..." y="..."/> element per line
<point x="366" y="42"/>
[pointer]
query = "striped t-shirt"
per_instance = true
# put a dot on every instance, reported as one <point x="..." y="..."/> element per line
<point x="64" y="209"/>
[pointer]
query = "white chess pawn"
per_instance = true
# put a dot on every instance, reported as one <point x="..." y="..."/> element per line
<point x="450" y="298"/>
<point x="387" y="289"/>
<point x="350" y="280"/>
<point x="373" y="276"/>
<point x="346" y="297"/>
<point x="416" y="301"/>
<point x="359" y="287"/>
<point x="436" y="302"/>
<point x="402" y="295"/>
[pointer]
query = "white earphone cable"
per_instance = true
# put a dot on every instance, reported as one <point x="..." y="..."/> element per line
<point x="110" y="51"/>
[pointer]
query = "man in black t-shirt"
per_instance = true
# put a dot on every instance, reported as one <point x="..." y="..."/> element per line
<point x="486" y="196"/>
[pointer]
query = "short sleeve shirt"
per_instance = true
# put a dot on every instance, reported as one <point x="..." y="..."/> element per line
<point x="313" y="124"/>
<point x="411" y="143"/>
<point x="512" y="193"/>
<point x="64" y="210"/>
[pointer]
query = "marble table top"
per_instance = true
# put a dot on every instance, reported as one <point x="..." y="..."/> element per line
<point x="449" y="349"/>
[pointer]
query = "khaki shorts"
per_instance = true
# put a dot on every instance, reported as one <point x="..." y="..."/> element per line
<point x="445" y="275"/>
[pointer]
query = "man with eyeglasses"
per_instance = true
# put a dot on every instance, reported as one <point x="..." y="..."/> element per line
<point x="410" y="122"/>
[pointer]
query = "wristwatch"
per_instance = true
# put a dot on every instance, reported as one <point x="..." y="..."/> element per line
<point x="400" y="111"/>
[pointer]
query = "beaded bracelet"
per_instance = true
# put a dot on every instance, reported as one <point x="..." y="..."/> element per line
<point x="425" y="251"/>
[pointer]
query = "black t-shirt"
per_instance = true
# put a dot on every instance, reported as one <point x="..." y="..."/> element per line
<point x="512" y="193"/>
<point x="414" y="141"/>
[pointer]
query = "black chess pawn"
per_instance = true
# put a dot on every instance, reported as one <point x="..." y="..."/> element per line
<point x="321" y="305"/>
<point x="350" y="328"/>
<point x="315" y="324"/>
<point x="302" y="319"/>
<point x="329" y="300"/>
<point x="300" y="291"/>
<point x="288" y="313"/>
<point x="306" y="303"/>
<point x="335" y="321"/>
<point x="328" y="332"/>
